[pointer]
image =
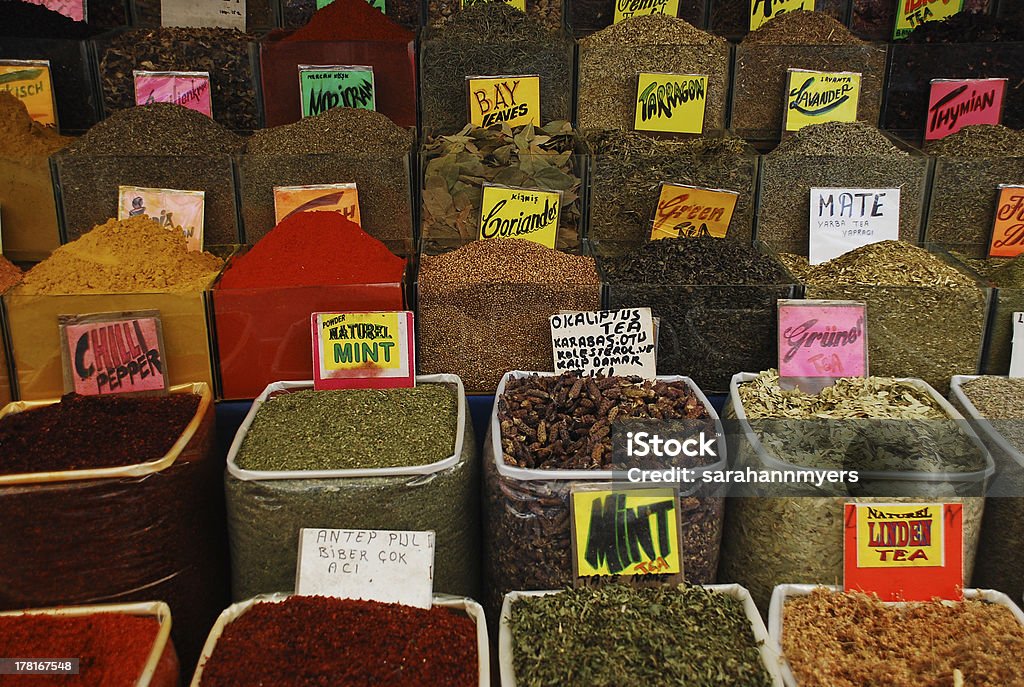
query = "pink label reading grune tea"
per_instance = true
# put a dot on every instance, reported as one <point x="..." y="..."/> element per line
<point x="75" y="9"/>
<point x="188" y="89"/>
<point x="822" y="340"/>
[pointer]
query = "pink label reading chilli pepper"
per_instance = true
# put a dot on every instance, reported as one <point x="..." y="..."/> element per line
<point x="822" y="340"/>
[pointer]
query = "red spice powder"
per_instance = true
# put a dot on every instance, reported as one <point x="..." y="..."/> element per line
<point x="351" y="20"/>
<point x="10" y="274"/>
<point x="84" y="432"/>
<point x="314" y="249"/>
<point x="112" y="648"/>
<point x="314" y="640"/>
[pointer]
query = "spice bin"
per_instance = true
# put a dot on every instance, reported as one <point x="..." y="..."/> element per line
<point x="528" y="511"/>
<point x="769" y="655"/>
<point x="149" y="530"/>
<point x="259" y="14"/>
<point x="1000" y="552"/>
<point x="406" y="13"/>
<point x="545" y="12"/>
<point x="785" y="592"/>
<point x="584" y="17"/>
<point x="161" y="667"/>
<point x="457" y="604"/>
<point x="874" y="19"/>
<point x="267" y="508"/>
<point x="394" y="74"/>
<point x="731" y="18"/>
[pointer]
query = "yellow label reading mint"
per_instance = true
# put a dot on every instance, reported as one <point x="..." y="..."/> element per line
<point x="817" y="97"/>
<point x="520" y="213"/>
<point x="627" y="9"/>
<point x="626" y="532"/>
<point x="512" y="100"/>
<point x="362" y="340"/>
<point x="912" y="13"/>
<point x="691" y="212"/>
<point x="900" y="536"/>
<point x="763" y="10"/>
<point x="671" y="103"/>
<point x="30" y="81"/>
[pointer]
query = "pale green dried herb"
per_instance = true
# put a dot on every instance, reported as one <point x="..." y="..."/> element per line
<point x="620" y="635"/>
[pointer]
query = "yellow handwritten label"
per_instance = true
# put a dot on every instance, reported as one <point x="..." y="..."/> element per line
<point x="518" y="4"/>
<point x="817" y="97"/>
<point x="671" y="103"/>
<point x="520" y="213"/>
<point x="512" y="100"/>
<point x="763" y="10"/>
<point x="900" y="536"/>
<point x="912" y="13"/>
<point x="691" y="212"/>
<point x="343" y="198"/>
<point x="1008" y="227"/>
<point x="362" y="340"/>
<point x="627" y="9"/>
<point x="626" y="532"/>
<point x="30" y="81"/>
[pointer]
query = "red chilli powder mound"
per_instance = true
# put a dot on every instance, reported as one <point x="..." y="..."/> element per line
<point x="314" y="249"/>
<point x="315" y="640"/>
<point x="112" y="648"/>
<point x="350" y="20"/>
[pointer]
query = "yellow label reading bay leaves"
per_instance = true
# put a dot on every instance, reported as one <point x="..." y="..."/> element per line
<point x="691" y="211"/>
<point x="671" y="103"/>
<point x="900" y="536"/>
<point x="817" y="97"/>
<point x="763" y="10"/>
<point x="912" y="13"/>
<point x="30" y="81"/>
<point x="512" y="100"/>
<point x="626" y="532"/>
<point x="627" y="9"/>
<point x="520" y="213"/>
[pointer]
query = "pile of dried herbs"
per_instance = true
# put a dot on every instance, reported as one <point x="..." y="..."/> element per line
<point x="969" y="167"/>
<point x="610" y="59"/>
<point x="526" y="157"/>
<point x="620" y="635"/>
<point x="627" y="169"/>
<point x="586" y="16"/>
<point x="491" y="37"/>
<point x="926" y="318"/>
<point x="547" y="12"/>
<point x="840" y="155"/>
<point x="731" y="18"/>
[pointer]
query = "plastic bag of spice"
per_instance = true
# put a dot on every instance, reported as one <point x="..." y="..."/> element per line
<point x="158" y="668"/>
<point x="528" y="512"/>
<point x="267" y="507"/>
<point x="454" y="603"/>
<point x="140" y="531"/>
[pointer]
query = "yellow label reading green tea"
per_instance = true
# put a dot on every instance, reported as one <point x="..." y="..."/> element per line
<point x="671" y="103"/>
<point x="816" y="97"/>
<point x="512" y="100"/>
<point x="763" y="10"/>
<point x="627" y="9"/>
<point x="912" y="13"/>
<point x="520" y="213"/>
<point x="30" y="81"/>
<point x="692" y="212"/>
<point x="626" y="532"/>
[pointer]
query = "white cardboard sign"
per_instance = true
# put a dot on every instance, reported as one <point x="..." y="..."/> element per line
<point x="843" y="219"/>
<point x="228" y="14"/>
<point x="1017" y="354"/>
<point x="610" y="342"/>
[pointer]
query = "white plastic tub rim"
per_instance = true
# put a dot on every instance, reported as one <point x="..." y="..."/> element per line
<point x="979" y="422"/>
<point x="766" y="647"/>
<point x="528" y="474"/>
<point x="280" y="388"/>
<point x="458" y="603"/>
<point x="770" y="462"/>
<point x="783" y="592"/>
<point x="158" y="609"/>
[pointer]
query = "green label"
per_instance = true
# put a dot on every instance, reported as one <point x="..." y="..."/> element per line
<point x="379" y="4"/>
<point x="323" y="87"/>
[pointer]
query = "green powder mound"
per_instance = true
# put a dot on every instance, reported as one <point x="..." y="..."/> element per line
<point x="352" y="429"/>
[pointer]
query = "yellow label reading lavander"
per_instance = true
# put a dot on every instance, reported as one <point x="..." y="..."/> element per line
<point x="627" y="9"/>
<point x="817" y="97"/>
<point x="912" y="13"/>
<point x="763" y="10"/>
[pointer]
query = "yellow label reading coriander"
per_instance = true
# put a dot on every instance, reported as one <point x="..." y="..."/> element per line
<point x="900" y="536"/>
<point x="692" y="212"/>
<point x="817" y="97"/>
<point x="520" y="213"/>
<point x="512" y="100"/>
<point x="626" y="532"/>
<point x="763" y="10"/>
<point x="912" y="13"/>
<point x="627" y="9"/>
<point x="671" y="103"/>
<point x="30" y="81"/>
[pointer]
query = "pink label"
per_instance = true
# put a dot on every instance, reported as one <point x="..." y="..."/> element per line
<point x="822" y="339"/>
<point x="956" y="103"/>
<point x="69" y="8"/>
<point x="115" y="356"/>
<point x="188" y="89"/>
